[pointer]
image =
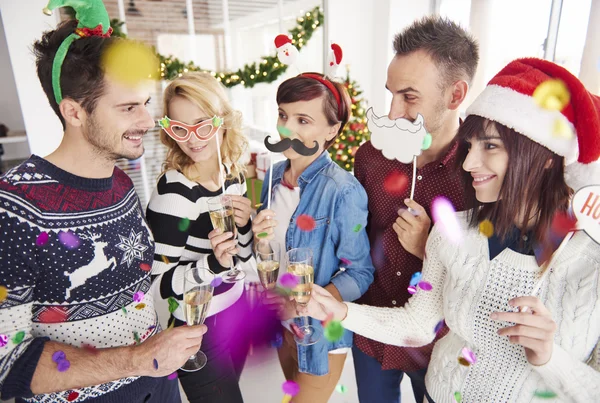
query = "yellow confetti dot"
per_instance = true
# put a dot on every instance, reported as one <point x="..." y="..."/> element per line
<point x="562" y="129"/>
<point x="130" y="62"/>
<point x="140" y="306"/>
<point x="552" y="94"/>
<point x="3" y="293"/>
<point x="486" y="228"/>
<point x="257" y="205"/>
<point x="286" y="399"/>
<point x="165" y="259"/>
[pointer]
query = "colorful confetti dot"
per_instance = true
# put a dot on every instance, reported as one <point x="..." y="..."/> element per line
<point x="150" y="328"/>
<point x="72" y="396"/>
<point x="439" y="326"/>
<point x="544" y="394"/>
<point x="444" y="216"/>
<point x="425" y="286"/>
<point x="345" y="262"/>
<point x="415" y="278"/>
<point x="3" y="293"/>
<point x="138" y="296"/>
<point x="290" y="388"/>
<point x="258" y="205"/>
<point x="412" y="290"/>
<point x="297" y="331"/>
<point x="486" y="228"/>
<point x="334" y="331"/>
<point x="3" y="340"/>
<point x="552" y="95"/>
<point x="53" y="314"/>
<point x="469" y="355"/>
<point x="286" y="399"/>
<point x="69" y="240"/>
<point x="42" y="239"/>
<point x="427" y="140"/>
<point x="145" y="267"/>
<point x="130" y="62"/>
<point x="63" y="365"/>
<point x="288" y="280"/>
<point x="155" y="362"/>
<point x="284" y="131"/>
<point x="395" y="183"/>
<point x="217" y="281"/>
<point x="165" y="259"/>
<point x="124" y="311"/>
<point x="341" y="389"/>
<point x="305" y="222"/>
<point x="58" y="356"/>
<point x="463" y="361"/>
<point x="136" y="337"/>
<point x="328" y="319"/>
<point x="184" y="224"/>
<point x="18" y="338"/>
<point x="262" y="235"/>
<point x="173" y="304"/>
<point x="172" y="376"/>
<point x="457" y="397"/>
<point x="357" y="227"/>
<point x="140" y="306"/>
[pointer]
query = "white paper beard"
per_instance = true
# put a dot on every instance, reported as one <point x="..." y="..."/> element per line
<point x="287" y="54"/>
<point x="398" y="139"/>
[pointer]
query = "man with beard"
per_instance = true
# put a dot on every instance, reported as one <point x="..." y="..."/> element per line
<point x="76" y="322"/>
<point x="435" y="62"/>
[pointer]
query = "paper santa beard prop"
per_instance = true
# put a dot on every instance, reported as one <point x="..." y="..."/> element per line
<point x="398" y="139"/>
<point x="286" y="52"/>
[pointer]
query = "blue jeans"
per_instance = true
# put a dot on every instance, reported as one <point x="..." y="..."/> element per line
<point x="383" y="386"/>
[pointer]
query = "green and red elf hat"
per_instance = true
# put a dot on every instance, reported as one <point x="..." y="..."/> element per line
<point x="92" y="20"/>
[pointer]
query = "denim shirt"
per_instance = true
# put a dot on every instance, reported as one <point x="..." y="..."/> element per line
<point x="338" y="204"/>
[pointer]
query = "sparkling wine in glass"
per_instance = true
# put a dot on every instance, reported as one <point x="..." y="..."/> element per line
<point x="268" y="258"/>
<point x="197" y="294"/>
<point x="300" y="265"/>
<point x="222" y="216"/>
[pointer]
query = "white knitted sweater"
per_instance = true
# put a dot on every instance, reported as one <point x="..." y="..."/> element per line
<point x="467" y="287"/>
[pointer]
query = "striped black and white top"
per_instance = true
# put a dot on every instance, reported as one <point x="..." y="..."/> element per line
<point x="178" y="216"/>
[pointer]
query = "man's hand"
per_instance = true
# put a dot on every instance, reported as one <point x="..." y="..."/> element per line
<point x="412" y="228"/>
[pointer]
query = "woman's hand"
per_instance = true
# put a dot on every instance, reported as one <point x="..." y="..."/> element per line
<point x="322" y="304"/>
<point x="242" y="209"/>
<point x="263" y="225"/>
<point x="534" y="329"/>
<point x="286" y="309"/>
<point x="224" y="246"/>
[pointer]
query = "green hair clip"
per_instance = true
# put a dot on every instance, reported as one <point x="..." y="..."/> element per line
<point x="92" y="20"/>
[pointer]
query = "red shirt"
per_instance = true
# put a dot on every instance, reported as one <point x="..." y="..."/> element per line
<point x="394" y="266"/>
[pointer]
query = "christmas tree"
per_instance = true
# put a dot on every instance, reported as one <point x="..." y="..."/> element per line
<point x="355" y="133"/>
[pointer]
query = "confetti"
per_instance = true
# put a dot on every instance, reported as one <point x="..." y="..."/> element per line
<point x="345" y="262"/>
<point x="173" y="304"/>
<point x="278" y="340"/>
<point x="145" y="267"/>
<point x="184" y="224"/>
<point x="42" y="239"/>
<point x="412" y="289"/>
<point x="334" y="331"/>
<point x="138" y="296"/>
<point x="415" y="278"/>
<point x="217" y="281"/>
<point x="469" y="355"/>
<point x="305" y="222"/>
<point x="130" y="62"/>
<point x="425" y="286"/>
<point x="63" y="365"/>
<point x="395" y="183"/>
<point x="284" y="131"/>
<point x="290" y="388"/>
<point x="341" y="389"/>
<point x="172" y="376"/>
<point x="53" y="314"/>
<point x="3" y="340"/>
<point x="297" y="331"/>
<point x="439" y="326"/>
<point x="155" y="364"/>
<point x="69" y="239"/>
<point x="357" y="227"/>
<point x="18" y="338"/>
<point x="58" y="356"/>
<point x="457" y="397"/>
<point x="72" y="396"/>
<point x="288" y="280"/>
<point x="328" y="319"/>
<point x="258" y="205"/>
<point x="262" y="235"/>
<point x="140" y="306"/>
<point x="124" y="311"/>
<point x="544" y="394"/>
<point x="150" y="328"/>
<point x="136" y="337"/>
<point x="286" y="399"/>
<point x="3" y="293"/>
<point x="552" y="95"/>
<point x="562" y="223"/>
<point x="463" y="361"/>
<point x="486" y="228"/>
<point x="427" y="140"/>
<point x="165" y="259"/>
<point x="444" y="216"/>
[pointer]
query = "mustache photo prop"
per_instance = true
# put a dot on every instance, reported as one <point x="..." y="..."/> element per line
<point x="294" y="144"/>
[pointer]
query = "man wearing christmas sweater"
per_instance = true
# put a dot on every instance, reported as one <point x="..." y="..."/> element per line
<point x="435" y="62"/>
<point x="76" y="322"/>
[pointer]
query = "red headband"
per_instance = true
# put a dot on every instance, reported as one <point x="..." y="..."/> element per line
<point x="331" y="88"/>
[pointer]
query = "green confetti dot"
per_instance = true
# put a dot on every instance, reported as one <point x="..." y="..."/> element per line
<point x="17" y="338"/>
<point x="544" y="394"/>
<point x="357" y="227"/>
<point x="284" y="131"/>
<point x="136" y="337"/>
<point x="341" y="389"/>
<point x="262" y="235"/>
<point x="124" y="311"/>
<point x="184" y="224"/>
<point x="427" y="142"/>
<point x="173" y="304"/>
<point x="334" y="331"/>
<point x="457" y="397"/>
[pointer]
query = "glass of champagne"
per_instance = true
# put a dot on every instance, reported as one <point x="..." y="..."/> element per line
<point x="300" y="265"/>
<point x="197" y="294"/>
<point x="268" y="258"/>
<point x="222" y="216"/>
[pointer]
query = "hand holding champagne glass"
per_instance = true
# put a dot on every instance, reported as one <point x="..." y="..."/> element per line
<point x="197" y="294"/>
<point x="300" y="265"/>
<point x="222" y="217"/>
<point x="268" y="256"/>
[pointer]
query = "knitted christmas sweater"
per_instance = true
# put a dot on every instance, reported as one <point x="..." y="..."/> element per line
<point x="467" y="288"/>
<point x="75" y="260"/>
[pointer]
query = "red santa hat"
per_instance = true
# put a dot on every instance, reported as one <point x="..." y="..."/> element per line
<point x="281" y="40"/>
<point x="508" y="100"/>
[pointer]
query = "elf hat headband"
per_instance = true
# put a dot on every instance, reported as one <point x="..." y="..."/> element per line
<point x="92" y="20"/>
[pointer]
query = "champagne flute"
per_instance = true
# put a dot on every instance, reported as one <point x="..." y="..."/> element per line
<point x="268" y="258"/>
<point x="197" y="294"/>
<point x="222" y="216"/>
<point x="300" y="265"/>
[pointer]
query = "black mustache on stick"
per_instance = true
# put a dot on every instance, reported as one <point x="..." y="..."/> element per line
<point x="295" y="144"/>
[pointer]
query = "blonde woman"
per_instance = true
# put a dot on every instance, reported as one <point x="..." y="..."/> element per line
<point x="196" y="111"/>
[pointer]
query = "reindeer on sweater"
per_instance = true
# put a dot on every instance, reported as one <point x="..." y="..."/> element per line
<point x="97" y="265"/>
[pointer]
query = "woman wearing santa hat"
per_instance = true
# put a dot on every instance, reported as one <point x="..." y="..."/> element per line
<point x="514" y="333"/>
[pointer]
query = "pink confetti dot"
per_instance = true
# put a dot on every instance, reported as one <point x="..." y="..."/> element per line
<point x="425" y="286"/>
<point x="444" y="215"/>
<point x="469" y="355"/>
<point x="345" y="261"/>
<point x="305" y="222"/>
<point x="172" y="376"/>
<point x="3" y="340"/>
<point x="217" y="281"/>
<point x="290" y="388"/>
<point x="412" y="289"/>
<point x="288" y="280"/>
<point x="145" y="267"/>
<point x="69" y="240"/>
<point x="138" y="296"/>
<point x="42" y="239"/>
